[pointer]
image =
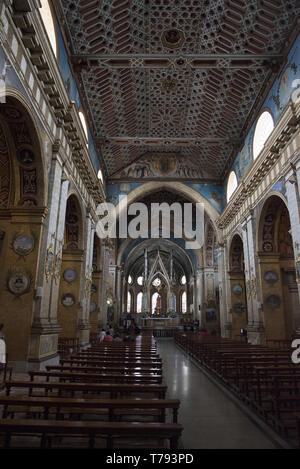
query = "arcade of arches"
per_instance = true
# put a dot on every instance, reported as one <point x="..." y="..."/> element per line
<point x="58" y="278"/>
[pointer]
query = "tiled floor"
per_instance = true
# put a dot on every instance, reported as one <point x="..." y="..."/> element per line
<point x="211" y="420"/>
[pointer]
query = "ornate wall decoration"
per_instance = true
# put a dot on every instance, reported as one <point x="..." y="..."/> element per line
<point x="70" y="275"/>
<point x="72" y="223"/>
<point x="237" y="289"/>
<point x="19" y="282"/>
<point x="162" y="164"/>
<point x="26" y="157"/>
<point x="237" y="255"/>
<point x="209" y="253"/>
<point x="49" y="267"/>
<point x="28" y="182"/>
<point x="23" y="244"/>
<point x="285" y="241"/>
<point x="4" y="170"/>
<point x="68" y="300"/>
<point x="273" y="301"/>
<point x="271" y="277"/>
<point x="57" y="268"/>
<point x="172" y="38"/>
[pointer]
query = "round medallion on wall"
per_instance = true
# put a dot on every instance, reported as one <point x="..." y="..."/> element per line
<point x="237" y="289"/>
<point x="271" y="277"/>
<point x="68" y="299"/>
<point x="267" y="246"/>
<point x="19" y="283"/>
<point x="23" y="244"/>
<point x="273" y="301"/>
<point x="70" y="275"/>
<point x="92" y="307"/>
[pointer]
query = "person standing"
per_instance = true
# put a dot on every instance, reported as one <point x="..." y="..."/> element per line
<point x="2" y="348"/>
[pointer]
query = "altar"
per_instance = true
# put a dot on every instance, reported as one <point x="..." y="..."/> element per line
<point x="159" y="322"/>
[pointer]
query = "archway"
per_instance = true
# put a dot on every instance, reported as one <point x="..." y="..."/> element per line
<point x="22" y="215"/>
<point x="72" y="284"/>
<point x="280" y="300"/>
<point x="237" y="286"/>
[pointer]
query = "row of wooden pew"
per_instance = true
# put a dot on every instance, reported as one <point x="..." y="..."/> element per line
<point x="84" y="400"/>
<point x="264" y="377"/>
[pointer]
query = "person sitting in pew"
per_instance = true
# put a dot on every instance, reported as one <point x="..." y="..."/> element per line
<point x="108" y="337"/>
<point x="117" y="338"/>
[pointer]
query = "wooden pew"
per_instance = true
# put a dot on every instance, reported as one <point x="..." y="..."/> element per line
<point x="113" y="389"/>
<point x="111" y="377"/>
<point x="128" y="369"/>
<point x="106" y="361"/>
<point x="46" y="429"/>
<point x="61" y="406"/>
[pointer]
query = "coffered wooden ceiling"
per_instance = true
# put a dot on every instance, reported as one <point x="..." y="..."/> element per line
<point x="176" y="76"/>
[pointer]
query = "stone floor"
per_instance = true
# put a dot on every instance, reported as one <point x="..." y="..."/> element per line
<point x="211" y="419"/>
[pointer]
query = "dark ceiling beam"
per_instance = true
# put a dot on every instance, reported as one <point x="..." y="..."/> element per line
<point x="191" y="61"/>
<point x="154" y="141"/>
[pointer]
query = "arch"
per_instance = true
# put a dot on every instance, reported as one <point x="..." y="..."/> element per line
<point x="74" y="225"/>
<point x="276" y="260"/>
<point x="48" y="20"/>
<point x="232" y="185"/>
<point x="263" y="129"/>
<point x="236" y="254"/>
<point x="179" y="188"/>
<point x="266" y="240"/>
<point x="27" y="147"/>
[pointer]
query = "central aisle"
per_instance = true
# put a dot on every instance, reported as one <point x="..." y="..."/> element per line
<point x="210" y="419"/>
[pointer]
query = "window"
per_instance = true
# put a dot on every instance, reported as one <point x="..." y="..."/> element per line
<point x="140" y="280"/>
<point x="183" y="302"/>
<point x="130" y="281"/>
<point x="231" y="185"/>
<point x="100" y="175"/>
<point x="139" y="302"/>
<point x="48" y="21"/>
<point x="183" y="280"/>
<point x="156" y="303"/>
<point x="156" y="282"/>
<point x="263" y="129"/>
<point x="128" y="302"/>
<point x="84" y="125"/>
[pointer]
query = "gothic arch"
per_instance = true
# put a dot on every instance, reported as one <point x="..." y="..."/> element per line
<point x="180" y="188"/>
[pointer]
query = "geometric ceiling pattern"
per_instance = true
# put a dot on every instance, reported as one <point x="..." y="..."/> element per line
<point x="176" y="76"/>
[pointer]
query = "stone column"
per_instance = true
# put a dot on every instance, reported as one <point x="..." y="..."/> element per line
<point x="293" y="197"/>
<point x="105" y="270"/>
<point x="86" y="281"/>
<point x="256" y="329"/>
<point x="119" y="292"/>
<point x="225" y="319"/>
<point x="45" y="327"/>
<point x="199" y="296"/>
